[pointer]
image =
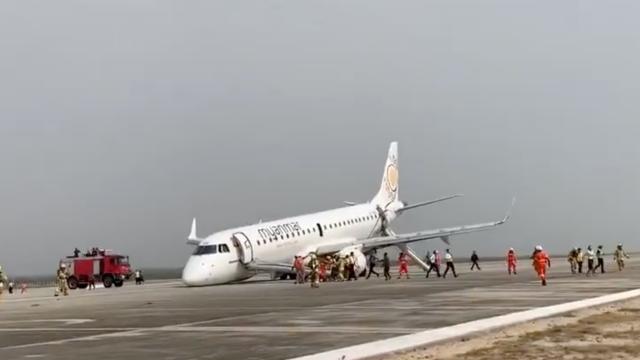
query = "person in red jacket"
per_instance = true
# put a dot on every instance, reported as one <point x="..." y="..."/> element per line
<point x="512" y="260"/>
<point x="404" y="265"/>
<point x="298" y="267"/>
<point x="322" y="270"/>
<point x="540" y="263"/>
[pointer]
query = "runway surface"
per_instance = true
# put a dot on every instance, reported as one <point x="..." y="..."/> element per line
<point x="274" y="319"/>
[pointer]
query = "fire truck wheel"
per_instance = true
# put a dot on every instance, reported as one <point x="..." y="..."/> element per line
<point x="118" y="283"/>
<point x="72" y="282"/>
<point x="107" y="281"/>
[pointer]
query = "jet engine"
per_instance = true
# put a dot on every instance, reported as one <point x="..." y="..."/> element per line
<point x="361" y="260"/>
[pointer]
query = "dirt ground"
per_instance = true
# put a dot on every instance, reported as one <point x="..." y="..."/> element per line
<point x="611" y="332"/>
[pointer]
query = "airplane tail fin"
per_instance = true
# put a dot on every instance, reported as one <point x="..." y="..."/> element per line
<point x="388" y="192"/>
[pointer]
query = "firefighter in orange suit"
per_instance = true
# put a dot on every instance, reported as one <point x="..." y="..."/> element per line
<point x="512" y="261"/>
<point x="540" y="263"/>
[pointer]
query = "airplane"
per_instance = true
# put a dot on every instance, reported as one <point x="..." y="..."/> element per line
<point x="237" y="254"/>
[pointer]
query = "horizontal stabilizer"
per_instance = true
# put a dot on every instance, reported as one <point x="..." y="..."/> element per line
<point x="425" y="203"/>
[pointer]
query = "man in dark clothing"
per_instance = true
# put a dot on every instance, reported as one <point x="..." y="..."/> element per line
<point x="76" y="253"/>
<point x="474" y="260"/>
<point x="372" y="264"/>
<point x="579" y="259"/>
<point x="433" y="263"/>
<point x="351" y="263"/>
<point x="600" y="258"/>
<point x="386" y="263"/>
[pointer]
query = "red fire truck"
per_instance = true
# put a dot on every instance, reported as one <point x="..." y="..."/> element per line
<point x="99" y="265"/>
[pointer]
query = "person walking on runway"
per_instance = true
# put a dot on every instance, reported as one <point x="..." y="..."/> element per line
<point x="474" y="260"/>
<point x="450" y="266"/>
<point x="512" y="261"/>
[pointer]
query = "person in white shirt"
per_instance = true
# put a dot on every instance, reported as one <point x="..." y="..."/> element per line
<point x="449" y="260"/>
<point x="590" y="257"/>
<point x="433" y="264"/>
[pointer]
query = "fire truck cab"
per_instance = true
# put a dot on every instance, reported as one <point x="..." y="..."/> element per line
<point x="101" y="265"/>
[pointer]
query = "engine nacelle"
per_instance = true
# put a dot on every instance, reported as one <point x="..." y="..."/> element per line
<point x="391" y="212"/>
<point x="390" y="215"/>
<point x="361" y="260"/>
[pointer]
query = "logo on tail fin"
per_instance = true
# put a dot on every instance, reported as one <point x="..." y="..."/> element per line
<point x="388" y="192"/>
<point x="392" y="177"/>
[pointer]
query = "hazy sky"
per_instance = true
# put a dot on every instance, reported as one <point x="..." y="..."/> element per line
<point x="121" y="120"/>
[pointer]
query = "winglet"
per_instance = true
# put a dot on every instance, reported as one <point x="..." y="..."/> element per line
<point x="508" y="215"/>
<point x="350" y="203"/>
<point x="193" y="238"/>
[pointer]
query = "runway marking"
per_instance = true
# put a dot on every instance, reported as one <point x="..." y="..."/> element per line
<point x="65" y="321"/>
<point x="427" y="337"/>
<point x="244" y="329"/>
<point x="291" y="329"/>
<point x="90" y="293"/>
<point x="47" y="329"/>
<point x="81" y="338"/>
<point x="126" y="332"/>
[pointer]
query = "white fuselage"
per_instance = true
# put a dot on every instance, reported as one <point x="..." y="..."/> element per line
<point x="221" y="257"/>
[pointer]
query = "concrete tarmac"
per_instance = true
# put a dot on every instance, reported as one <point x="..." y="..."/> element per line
<point x="264" y="319"/>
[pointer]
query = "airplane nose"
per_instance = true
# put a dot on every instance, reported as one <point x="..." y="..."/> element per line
<point x="195" y="272"/>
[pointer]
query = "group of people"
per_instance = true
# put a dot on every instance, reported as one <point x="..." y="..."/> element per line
<point x="346" y="268"/>
<point x="576" y="258"/>
<point x="595" y="259"/>
<point x="10" y="285"/>
<point x="336" y="268"/>
<point x="434" y="262"/>
<point x="341" y="268"/>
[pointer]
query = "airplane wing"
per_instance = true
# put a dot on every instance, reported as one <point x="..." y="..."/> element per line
<point x="443" y="234"/>
<point x="398" y="239"/>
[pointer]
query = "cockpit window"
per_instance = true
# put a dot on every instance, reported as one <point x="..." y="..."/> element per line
<point x="223" y="248"/>
<point x="205" y="249"/>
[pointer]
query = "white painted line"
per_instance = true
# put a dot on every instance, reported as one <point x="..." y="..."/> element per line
<point x="428" y="337"/>
<point x="227" y="329"/>
<point x="65" y="321"/>
<point x="291" y="329"/>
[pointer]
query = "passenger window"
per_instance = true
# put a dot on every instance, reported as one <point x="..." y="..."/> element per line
<point x="287" y="236"/>
<point x="325" y="227"/>
<point x="223" y="248"/>
<point x="281" y="237"/>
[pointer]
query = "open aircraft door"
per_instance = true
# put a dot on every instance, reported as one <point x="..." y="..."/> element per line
<point x="244" y="246"/>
